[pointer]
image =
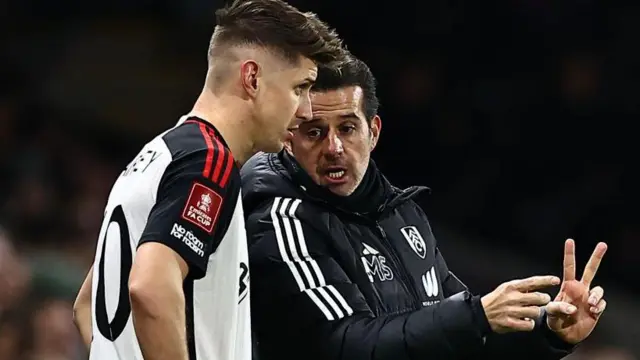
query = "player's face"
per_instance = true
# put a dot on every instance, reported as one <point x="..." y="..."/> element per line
<point x="335" y="146"/>
<point x="283" y="102"/>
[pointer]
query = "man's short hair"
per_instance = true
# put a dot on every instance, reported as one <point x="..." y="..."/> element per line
<point x="277" y="26"/>
<point x="352" y="72"/>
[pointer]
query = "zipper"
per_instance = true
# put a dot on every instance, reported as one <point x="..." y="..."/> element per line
<point x="411" y="287"/>
<point x="399" y="265"/>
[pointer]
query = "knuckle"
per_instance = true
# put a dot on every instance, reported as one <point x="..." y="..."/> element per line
<point x="509" y="286"/>
<point x="522" y="298"/>
<point x="512" y="297"/>
<point x="532" y="299"/>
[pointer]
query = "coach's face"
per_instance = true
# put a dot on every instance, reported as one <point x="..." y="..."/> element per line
<point x="335" y="146"/>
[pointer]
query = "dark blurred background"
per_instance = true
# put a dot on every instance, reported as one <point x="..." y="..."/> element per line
<point x="518" y="114"/>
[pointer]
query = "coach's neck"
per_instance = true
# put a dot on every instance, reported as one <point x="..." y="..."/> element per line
<point x="230" y="116"/>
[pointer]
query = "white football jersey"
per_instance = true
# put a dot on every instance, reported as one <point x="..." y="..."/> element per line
<point x="181" y="190"/>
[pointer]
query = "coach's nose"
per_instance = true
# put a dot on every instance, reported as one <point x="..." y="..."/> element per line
<point x="334" y="146"/>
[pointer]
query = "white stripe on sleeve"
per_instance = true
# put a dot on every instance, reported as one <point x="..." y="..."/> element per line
<point x="294" y="252"/>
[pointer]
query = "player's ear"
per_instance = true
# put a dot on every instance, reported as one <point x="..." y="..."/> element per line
<point x="375" y="127"/>
<point x="249" y="71"/>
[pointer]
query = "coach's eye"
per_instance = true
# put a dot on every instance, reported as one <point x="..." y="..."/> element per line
<point x="347" y="129"/>
<point x="314" y="133"/>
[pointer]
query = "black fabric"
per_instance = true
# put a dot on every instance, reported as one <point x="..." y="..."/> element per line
<point x="329" y="283"/>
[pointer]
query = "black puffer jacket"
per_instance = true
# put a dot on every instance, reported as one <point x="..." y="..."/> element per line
<point x="332" y="283"/>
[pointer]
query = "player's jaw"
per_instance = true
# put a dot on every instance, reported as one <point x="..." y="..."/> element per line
<point x="272" y="136"/>
<point x="291" y="128"/>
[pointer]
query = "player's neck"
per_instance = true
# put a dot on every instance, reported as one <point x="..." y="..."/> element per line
<point x="230" y="121"/>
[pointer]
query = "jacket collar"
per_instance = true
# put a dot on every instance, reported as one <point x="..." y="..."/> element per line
<point x="369" y="199"/>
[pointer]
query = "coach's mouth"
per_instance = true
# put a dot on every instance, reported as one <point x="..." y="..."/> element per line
<point x="335" y="175"/>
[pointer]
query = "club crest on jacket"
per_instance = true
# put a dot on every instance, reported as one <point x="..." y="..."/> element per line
<point x="415" y="240"/>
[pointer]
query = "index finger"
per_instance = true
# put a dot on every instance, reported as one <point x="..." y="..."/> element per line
<point x="536" y="282"/>
<point x="594" y="262"/>
<point x="569" y="262"/>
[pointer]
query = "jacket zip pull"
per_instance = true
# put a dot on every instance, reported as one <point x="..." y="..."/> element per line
<point x="401" y="268"/>
<point x="381" y="230"/>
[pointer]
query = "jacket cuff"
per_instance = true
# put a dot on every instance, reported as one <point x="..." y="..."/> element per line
<point x="479" y="316"/>
<point x="449" y="325"/>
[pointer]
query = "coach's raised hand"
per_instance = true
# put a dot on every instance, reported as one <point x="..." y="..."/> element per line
<point x="512" y="306"/>
<point x="576" y="309"/>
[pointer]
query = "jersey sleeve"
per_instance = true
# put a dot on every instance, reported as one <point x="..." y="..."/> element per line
<point x="195" y="202"/>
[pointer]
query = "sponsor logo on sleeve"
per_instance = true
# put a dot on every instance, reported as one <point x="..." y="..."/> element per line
<point x="203" y="207"/>
<point x="187" y="237"/>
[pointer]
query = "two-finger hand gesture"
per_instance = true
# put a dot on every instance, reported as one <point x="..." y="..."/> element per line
<point x="576" y="309"/>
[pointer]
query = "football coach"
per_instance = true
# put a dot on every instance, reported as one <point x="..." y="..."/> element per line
<point x="345" y="266"/>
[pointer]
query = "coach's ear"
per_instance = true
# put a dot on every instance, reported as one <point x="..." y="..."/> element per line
<point x="287" y="142"/>
<point x="375" y="128"/>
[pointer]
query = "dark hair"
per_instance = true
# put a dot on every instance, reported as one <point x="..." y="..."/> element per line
<point x="279" y="26"/>
<point x="352" y="72"/>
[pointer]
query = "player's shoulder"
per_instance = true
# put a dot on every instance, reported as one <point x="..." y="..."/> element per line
<point x="193" y="135"/>
<point x="196" y="146"/>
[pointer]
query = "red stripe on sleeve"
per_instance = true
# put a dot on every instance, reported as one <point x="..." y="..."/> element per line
<point x="208" y="162"/>
<point x="227" y="170"/>
<point x="222" y="154"/>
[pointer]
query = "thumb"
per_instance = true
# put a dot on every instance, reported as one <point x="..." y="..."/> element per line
<point x="560" y="308"/>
